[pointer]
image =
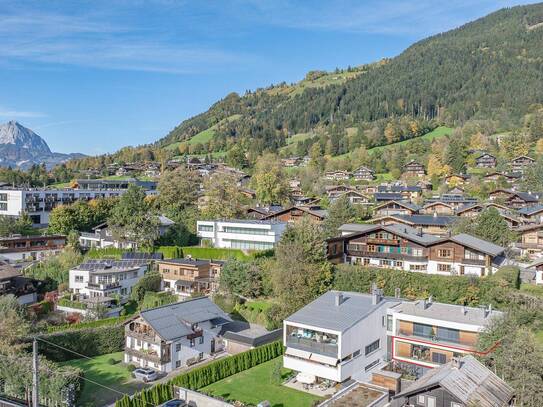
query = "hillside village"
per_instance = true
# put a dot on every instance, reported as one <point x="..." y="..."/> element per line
<point x="394" y="259"/>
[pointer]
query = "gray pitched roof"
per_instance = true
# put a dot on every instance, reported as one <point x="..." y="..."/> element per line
<point x="531" y="210"/>
<point x="175" y="320"/>
<point x="324" y="313"/>
<point x="478" y="244"/>
<point x="186" y="262"/>
<point x="427" y="219"/>
<point x="470" y="382"/>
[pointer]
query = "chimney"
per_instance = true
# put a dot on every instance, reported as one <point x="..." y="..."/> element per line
<point x="435" y="214"/>
<point x="397" y="292"/>
<point x="339" y="299"/>
<point x="422" y="304"/>
<point x="456" y="363"/>
<point x="376" y="296"/>
<point x="419" y="229"/>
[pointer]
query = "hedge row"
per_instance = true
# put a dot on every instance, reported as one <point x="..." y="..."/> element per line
<point x="88" y="342"/>
<point x="205" y="375"/>
<point x="465" y="290"/>
<point x="174" y="252"/>
<point x="89" y="324"/>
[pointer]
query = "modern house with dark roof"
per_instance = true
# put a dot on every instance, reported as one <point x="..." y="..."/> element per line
<point x="401" y="247"/>
<point x="462" y="382"/>
<point x="432" y="224"/>
<point x="338" y="335"/>
<point x="28" y="248"/>
<point x="425" y="334"/>
<point x="175" y="335"/>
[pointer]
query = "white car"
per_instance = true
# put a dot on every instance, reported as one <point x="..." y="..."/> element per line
<point x="146" y="374"/>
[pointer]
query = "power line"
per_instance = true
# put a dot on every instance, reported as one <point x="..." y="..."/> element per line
<point x="89" y="380"/>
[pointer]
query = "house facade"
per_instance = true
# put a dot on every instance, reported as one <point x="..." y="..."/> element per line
<point x="185" y="277"/>
<point x="337" y="336"/>
<point x="363" y="174"/>
<point x="13" y="282"/>
<point x="175" y="335"/>
<point x="295" y="213"/>
<point x="241" y="234"/>
<point x="28" y="248"/>
<point x="413" y="169"/>
<point x="395" y="208"/>
<point x="425" y="334"/>
<point x="530" y="240"/>
<point x="485" y="160"/>
<point x="403" y="248"/>
<point x="520" y="164"/>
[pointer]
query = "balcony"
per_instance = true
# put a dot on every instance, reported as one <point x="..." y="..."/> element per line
<point x="465" y="339"/>
<point x="383" y="255"/>
<point x="310" y="345"/>
<point x="150" y="356"/>
<point x="104" y="286"/>
<point x="144" y="336"/>
<point x="389" y="242"/>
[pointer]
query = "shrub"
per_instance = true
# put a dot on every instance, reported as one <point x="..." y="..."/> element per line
<point x="88" y="342"/>
<point x="130" y="368"/>
<point x="87" y="325"/>
<point x="510" y="275"/>
<point x="111" y="361"/>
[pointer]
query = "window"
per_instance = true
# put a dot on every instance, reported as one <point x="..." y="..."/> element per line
<point x="192" y="343"/>
<point x="371" y="248"/>
<point x="3" y="206"/>
<point x="417" y="267"/>
<point x="3" y="197"/>
<point x="416" y="252"/>
<point x="444" y="267"/>
<point x="385" y="263"/>
<point x="201" y="340"/>
<point x="177" y="364"/>
<point x="421" y="400"/>
<point x="439" y="358"/>
<point x="249" y="244"/>
<point x="372" y="364"/>
<point x="205" y="228"/>
<point x="372" y="347"/>
<point x="448" y="334"/>
<point x="201" y="355"/>
<point x="245" y="231"/>
<point x="430" y="401"/>
<point x="444" y="253"/>
<point x="78" y="279"/>
<point x="356" y="353"/>
<point x="398" y="264"/>
<point x="389" y="322"/>
<point x="177" y="347"/>
<point x="422" y="330"/>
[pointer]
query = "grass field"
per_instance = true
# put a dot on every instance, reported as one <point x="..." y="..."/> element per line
<point x="99" y="370"/>
<point x="257" y="384"/>
<point x="436" y="133"/>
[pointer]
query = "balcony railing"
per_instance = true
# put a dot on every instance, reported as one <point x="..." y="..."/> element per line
<point x="148" y="355"/>
<point x="309" y="345"/>
<point x="435" y="339"/>
<point x="383" y="255"/>
<point x="104" y="286"/>
<point x="144" y="336"/>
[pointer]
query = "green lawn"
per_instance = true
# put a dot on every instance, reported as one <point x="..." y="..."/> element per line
<point x="99" y="370"/>
<point x="257" y="384"/>
<point x="539" y="337"/>
<point x="436" y="133"/>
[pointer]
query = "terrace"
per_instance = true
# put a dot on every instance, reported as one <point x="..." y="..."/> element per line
<point x="312" y="341"/>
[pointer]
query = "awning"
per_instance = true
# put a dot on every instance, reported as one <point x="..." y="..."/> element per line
<point x="306" y="378"/>
<point x="323" y="359"/>
<point x="297" y="352"/>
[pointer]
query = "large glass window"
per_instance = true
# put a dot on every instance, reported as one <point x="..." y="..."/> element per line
<point x="3" y="197"/>
<point x="205" y="228"/>
<point x="448" y="334"/>
<point x="245" y="231"/>
<point x="249" y="245"/>
<point x="372" y="347"/>
<point x="425" y="331"/>
<point x="439" y="358"/>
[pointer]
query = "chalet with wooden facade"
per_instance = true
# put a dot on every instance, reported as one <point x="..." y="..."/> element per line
<point x="486" y="160"/>
<point x="355" y="197"/>
<point x="337" y="175"/>
<point x="498" y="176"/>
<point x="432" y="224"/>
<point x="521" y="163"/>
<point x="439" y="208"/>
<point x="530" y="240"/>
<point x="514" y="199"/>
<point x="395" y="208"/>
<point x="402" y="247"/>
<point x="185" y="277"/>
<point x="295" y="213"/>
<point x="456" y="179"/>
<point x="532" y="214"/>
<point x="28" y="248"/>
<point x="175" y="335"/>
<point x="413" y="169"/>
<point x="363" y="174"/>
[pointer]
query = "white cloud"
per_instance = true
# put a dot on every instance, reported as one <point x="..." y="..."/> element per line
<point x="19" y="114"/>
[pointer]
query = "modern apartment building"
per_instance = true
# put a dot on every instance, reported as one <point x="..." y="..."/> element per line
<point x="39" y="202"/>
<point x="28" y="248"/>
<point x="175" y="335"/>
<point x="338" y="335"/>
<point x="346" y="335"/>
<point x="106" y="279"/>
<point x="404" y="248"/>
<point x="241" y="234"/>
<point x="425" y="334"/>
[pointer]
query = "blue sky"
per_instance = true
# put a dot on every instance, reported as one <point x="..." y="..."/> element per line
<point x="93" y="76"/>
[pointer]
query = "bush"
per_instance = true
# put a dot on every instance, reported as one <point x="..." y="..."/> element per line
<point x="88" y="342"/>
<point x="508" y="274"/>
<point x="130" y="368"/>
<point x="87" y="325"/>
<point x="112" y="361"/>
<point x="64" y="302"/>
<point x="214" y="253"/>
<point x="205" y="375"/>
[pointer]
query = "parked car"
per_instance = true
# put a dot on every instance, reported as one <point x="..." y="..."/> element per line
<point x="174" y="403"/>
<point x="146" y="374"/>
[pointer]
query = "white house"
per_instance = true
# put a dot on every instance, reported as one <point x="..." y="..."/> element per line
<point x="175" y="335"/>
<point x="337" y="336"/>
<point x="106" y="278"/>
<point x="241" y="234"/>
